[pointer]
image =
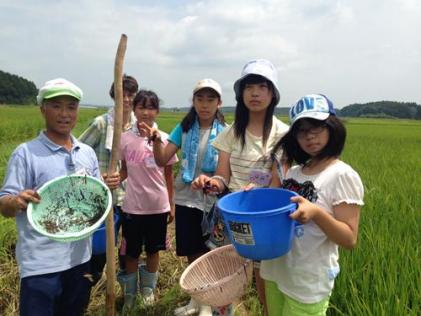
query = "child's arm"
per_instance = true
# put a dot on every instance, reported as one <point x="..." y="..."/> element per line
<point x="342" y="228"/>
<point x="276" y="180"/>
<point x="169" y="179"/>
<point x="223" y="168"/>
<point x="162" y="154"/>
<point x="280" y="168"/>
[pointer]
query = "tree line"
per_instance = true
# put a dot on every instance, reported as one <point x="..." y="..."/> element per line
<point x="16" y="90"/>
<point x="383" y="109"/>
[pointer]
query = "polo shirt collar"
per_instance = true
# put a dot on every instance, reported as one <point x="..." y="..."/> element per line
<point x="53" y="146"/>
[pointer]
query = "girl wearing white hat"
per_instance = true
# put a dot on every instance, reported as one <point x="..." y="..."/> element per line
<point x="193" y="136"/>
<point x="245" y="147"/>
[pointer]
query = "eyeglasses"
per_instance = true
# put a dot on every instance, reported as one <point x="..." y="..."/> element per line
<point x="314" y="130"/>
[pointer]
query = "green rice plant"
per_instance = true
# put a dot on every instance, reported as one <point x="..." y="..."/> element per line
<point x="381" y="276"/>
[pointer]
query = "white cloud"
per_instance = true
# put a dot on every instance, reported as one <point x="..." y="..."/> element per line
<point x="354" y="51"/>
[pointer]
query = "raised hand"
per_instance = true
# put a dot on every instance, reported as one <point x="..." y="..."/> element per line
<point x="151" y="133"/>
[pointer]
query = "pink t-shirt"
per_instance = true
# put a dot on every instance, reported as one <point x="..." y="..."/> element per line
<point x="146" y="190"/>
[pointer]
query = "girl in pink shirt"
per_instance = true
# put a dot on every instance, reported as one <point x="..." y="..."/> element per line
<point x="147" y="206"/>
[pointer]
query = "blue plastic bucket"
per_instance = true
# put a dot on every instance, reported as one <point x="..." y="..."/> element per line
<point x="258" y="221"/>
<point x="99" y="239"/>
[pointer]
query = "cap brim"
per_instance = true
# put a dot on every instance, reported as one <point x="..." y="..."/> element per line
<point x="321" y="116"/>
<point x="238" y="83"/>
<point x="62" y="93"/>
<point x="206" y="87"/>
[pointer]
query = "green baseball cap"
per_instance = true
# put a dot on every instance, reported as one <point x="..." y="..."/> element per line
<point x="57" y="87"/>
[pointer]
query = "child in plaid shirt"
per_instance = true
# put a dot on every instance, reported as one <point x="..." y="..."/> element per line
<point x="99" y="135"/>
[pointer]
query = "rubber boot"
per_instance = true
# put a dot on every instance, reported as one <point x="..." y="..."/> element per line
<point x="128" y="283"/>
<point x="190" y="309"/>
<point x="148" y="282"/>
<point x="227" y="310"/>
<point x="205" y="310"/>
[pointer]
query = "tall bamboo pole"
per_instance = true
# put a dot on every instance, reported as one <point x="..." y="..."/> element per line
<point x="118" y="123"/>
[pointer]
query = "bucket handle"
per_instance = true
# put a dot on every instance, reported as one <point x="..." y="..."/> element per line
<point x="296" y="224"/>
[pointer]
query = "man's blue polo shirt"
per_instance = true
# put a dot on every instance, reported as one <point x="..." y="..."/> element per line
<point x="30" y="166"/>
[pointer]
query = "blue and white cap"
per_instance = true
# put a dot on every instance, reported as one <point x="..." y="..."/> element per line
<point x="315" y="106"/>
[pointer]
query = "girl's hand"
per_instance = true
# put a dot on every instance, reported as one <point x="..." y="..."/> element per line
<point x="200" y="182"/>
<point x="112" y="181"/>
<point x="151" y="133"/>
<point x="208" y="185"/>
<point x="306" y="210"/>
<point x="249" y="186"/>
<point x="146" y="129"/>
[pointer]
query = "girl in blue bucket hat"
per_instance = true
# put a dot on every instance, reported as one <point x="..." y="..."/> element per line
<point x="245" y="147"/>
<point x="331" y="196"/>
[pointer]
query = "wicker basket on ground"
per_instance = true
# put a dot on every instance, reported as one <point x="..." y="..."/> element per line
<point x="217" y="278"/>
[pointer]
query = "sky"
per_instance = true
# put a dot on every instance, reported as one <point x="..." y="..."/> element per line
<point x="353" y="51"/>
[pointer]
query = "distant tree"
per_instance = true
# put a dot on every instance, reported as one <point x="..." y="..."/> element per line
<point x="418" y="113"/>
<point x="406" y="110"/>
<point x="16" y="90"/>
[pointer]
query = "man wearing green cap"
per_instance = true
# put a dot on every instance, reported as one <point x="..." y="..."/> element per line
<point x="54" y="276"/>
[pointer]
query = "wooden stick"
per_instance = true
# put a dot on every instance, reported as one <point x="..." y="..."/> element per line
<point x="118" y="124"/>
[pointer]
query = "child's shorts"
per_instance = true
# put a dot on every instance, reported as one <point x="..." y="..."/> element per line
<point x="149" y="231"/>
<point x="279" y="304"/>
<point x="188" y="231"/>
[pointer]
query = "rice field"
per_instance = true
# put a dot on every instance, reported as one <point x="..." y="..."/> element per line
<point x="381" y="276"/>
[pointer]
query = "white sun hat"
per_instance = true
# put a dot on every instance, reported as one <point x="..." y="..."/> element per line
<point x="261" y="67"/>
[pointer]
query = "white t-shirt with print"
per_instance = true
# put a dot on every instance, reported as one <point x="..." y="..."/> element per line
<point x="307" y="272"/>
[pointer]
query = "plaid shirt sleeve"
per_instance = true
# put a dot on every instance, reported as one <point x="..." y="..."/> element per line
<point x="91" y="136"/>
<point x="94" y="136"/>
